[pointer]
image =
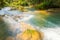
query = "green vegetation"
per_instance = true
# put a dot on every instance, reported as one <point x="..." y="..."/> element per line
<point x="44" y="4"/>
<point x="38" y="4"/>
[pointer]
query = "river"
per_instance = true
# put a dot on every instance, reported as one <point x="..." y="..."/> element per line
<point x="48" y="24"/>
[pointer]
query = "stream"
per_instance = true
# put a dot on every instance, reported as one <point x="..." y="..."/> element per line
<point x="49" y="25"/>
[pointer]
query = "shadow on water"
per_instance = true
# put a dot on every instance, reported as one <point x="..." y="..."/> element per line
<point x="3" y="30"/>
<point x="54" y="18"/>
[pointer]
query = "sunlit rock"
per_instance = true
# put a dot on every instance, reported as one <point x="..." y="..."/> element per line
<point x="42" y="12"/>
<point x="30" y="35"/>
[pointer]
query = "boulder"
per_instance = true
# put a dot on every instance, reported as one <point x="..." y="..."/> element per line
<point x="30" y="35"/>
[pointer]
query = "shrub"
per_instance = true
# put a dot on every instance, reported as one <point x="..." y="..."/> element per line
<point x="43" y="5"/>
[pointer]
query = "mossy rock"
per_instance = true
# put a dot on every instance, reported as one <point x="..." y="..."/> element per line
<point x="3" y="29"/>
<point x="30" y="35"/>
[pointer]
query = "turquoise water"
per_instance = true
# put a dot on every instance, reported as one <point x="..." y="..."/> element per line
<point x="50" y="21"/>
<point x="53" y="20"/>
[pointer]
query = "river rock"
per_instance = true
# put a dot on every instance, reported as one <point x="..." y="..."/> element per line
<point x="30" y="35"/>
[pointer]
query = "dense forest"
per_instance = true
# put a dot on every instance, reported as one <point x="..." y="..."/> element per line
<point x="38" y="4"/>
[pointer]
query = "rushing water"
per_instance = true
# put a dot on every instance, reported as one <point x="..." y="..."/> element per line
<point x="49" y="25"/>
<point x="12" y="19"/>
<point x="52" y="20"/>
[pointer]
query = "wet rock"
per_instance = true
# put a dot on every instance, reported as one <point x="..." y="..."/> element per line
<point x="30" y="35"/>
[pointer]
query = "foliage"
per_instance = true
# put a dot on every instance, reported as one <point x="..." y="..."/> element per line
<point x="1" y="4"/>
<point x="43" y="5"/>
<point x="33" y="2"/>
<point x="13" y="3"/>
<point x="38" y="4"/>
<point x="46" y="5"/>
